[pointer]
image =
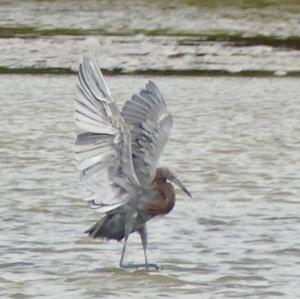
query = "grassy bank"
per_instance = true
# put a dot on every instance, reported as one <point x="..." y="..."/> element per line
<point x="150" y="72"/>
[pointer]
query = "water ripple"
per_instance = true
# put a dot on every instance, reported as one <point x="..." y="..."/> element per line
<point x="235" y="145"/>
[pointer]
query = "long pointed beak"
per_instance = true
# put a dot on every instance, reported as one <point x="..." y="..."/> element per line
<point x="181" y="186"/>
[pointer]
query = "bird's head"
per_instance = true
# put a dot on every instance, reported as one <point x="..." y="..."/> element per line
<point x="164" y="173"/>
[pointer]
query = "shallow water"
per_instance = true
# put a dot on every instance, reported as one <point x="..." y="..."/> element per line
<point x="235" y="145"/>
<point x="273" y="17"/>
<point x="182" y="37"/>
<point x="146" y="53"/>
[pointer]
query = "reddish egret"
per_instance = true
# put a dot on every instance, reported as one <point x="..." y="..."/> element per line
<point x="118" y="155"/>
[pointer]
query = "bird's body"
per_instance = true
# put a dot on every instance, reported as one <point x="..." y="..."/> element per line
<point x="158" y="199"/>
<point x="118" y="156"/>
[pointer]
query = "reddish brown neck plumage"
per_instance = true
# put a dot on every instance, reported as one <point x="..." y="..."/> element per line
<point x="164" y="202"/>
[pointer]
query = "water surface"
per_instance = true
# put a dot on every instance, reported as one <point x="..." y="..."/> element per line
<point x="271" y="17"/>
<point x="182" y="37"/>
<point x="235" y="145"/>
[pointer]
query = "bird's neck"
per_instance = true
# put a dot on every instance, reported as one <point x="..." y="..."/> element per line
<point x="167" y="200"/>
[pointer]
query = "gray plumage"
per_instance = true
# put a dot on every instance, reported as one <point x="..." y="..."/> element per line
<point x="118" y="155"/>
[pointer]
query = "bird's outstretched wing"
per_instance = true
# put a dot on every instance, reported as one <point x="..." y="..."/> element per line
<point x="104" y="151"/>
<point x="150" y="125"/>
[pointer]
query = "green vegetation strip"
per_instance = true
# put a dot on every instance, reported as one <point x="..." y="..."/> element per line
<point x="36" y="71"/>
<point x="150" y="72"/>
<point x="236" y="38"/>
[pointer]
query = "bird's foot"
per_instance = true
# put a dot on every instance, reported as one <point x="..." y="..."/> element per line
<point x="138" y="266"/>
<point x="153" y="266"/>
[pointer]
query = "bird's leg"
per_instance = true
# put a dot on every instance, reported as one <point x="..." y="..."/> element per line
<point x="128" y="229"/>
<point x="144" y="237"/>
<point x="123" y="253"/>
<point x="122" y="264"/>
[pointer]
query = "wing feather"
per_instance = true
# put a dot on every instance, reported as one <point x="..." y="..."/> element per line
<point x="103" y="151"/>
<point x="150" y="126"/>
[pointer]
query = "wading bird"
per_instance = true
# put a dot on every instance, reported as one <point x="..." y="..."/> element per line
<point x="118" y="154"/>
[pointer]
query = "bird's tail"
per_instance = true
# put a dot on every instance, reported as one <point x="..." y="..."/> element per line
<point x="95" y="230"/>
<point x="111" y="226"/>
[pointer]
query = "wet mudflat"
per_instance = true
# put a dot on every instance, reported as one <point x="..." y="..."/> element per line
<point x="235" y="145"/>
